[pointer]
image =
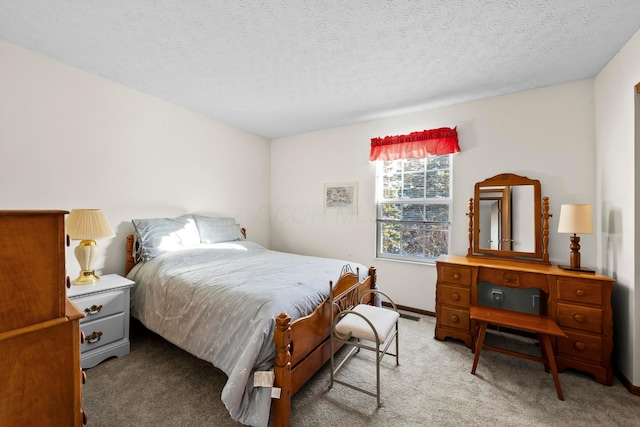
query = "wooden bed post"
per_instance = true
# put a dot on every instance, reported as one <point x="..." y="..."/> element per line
<point x="282" y="370"/>
<point x="374" y="279"/>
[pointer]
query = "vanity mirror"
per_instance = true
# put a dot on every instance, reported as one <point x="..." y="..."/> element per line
<point x="508" y="218"/>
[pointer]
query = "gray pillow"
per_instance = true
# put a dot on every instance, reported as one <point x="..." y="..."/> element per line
<point x="155" y="236"/>
<point x="217" y="229"/>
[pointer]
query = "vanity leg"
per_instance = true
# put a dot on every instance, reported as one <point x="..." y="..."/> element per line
<point x="551" y="360"/>
<point x="481" y="333"/>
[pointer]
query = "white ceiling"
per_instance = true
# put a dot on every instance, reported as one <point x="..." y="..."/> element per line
<point x="284" y="67"/>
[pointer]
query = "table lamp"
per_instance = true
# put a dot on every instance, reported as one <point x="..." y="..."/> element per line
<point x="575" y="219"/>
<point x="87" y="225"/>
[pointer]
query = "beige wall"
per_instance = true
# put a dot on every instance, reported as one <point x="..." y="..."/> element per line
<point x="616" y="122"/>
<point x="70" y="139"/>
<point x="544" y="134"/>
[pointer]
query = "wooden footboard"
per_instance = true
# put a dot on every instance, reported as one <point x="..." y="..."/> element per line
<point x="302" y="348"/>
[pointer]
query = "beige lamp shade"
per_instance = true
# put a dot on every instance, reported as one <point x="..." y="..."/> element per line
<point x="575" y="219"/>
<point x="88" y="224"/>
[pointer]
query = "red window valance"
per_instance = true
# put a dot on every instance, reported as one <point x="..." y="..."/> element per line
<point x="416" y="145"/>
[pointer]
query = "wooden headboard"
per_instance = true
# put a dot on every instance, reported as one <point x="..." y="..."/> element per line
<point x="131" y="251"/>
<point x="131" y="260"/>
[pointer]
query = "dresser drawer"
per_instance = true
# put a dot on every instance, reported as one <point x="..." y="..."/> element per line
<point x="579" y="317"/>
<point x="454" y="295"/>
<point x="102" y="332"/>
<point x="581" y="346"/>
<point x="583" y="292"/>
<point x="101" y="305"/>
<point x="454" y="318"/>
<point x="456" y="275"/>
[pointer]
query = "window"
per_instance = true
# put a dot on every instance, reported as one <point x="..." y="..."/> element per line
<point x="413" y="198"/>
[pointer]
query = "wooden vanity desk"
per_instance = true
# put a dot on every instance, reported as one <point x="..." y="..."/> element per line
<point x="580" y="303"/>
<point x="515" y="255"/>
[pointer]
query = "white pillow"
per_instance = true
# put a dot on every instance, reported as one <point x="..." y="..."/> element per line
<point x="217" y="229"/>
<point x="155" y="236"/>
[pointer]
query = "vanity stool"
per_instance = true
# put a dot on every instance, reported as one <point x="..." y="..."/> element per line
<point x="541" y="325"/>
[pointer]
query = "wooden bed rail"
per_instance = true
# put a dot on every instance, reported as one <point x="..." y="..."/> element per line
<point x="302" y="348"/>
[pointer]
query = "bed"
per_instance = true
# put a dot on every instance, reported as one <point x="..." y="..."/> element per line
<point x="200" y="283"/>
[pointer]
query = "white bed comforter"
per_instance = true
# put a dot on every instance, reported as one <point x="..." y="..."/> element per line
<point x="218" y="302"/>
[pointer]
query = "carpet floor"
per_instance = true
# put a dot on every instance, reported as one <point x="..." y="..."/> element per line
<point x="158" y="384"/>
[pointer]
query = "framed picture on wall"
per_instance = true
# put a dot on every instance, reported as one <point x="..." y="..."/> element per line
<point x="341" y="197"/>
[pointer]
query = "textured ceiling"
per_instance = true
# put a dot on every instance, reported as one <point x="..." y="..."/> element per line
<point x="279" y="68"/>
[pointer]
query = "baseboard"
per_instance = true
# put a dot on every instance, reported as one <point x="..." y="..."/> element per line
<point x="635" y="390"/>
<point x="432" y="314"/>
<point x="411" y="309"/>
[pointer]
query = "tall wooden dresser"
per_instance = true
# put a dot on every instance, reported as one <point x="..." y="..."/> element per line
<point x="40" y="374"/>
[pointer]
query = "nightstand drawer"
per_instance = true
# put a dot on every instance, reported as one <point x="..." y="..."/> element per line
<point x="102" y="332"/>
<point x="102" y="305"/>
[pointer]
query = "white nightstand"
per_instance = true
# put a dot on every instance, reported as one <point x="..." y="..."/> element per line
<point x="106" y="322"/>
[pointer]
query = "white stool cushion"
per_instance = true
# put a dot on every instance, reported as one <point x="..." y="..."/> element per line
<point x="383" y="321"/>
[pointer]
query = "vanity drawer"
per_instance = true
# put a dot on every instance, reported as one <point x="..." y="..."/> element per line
<point x="100" y="305"/>
<point x="512" y="278"/>
<point x="581" y="346"/>
<point x="579" y="317"/>
<point x="583" y="292"/>
<point x="454" y="295"/>
<point x="456" y="275"/>
<point x="455" y="318"/>
<point x="102" y="332"/>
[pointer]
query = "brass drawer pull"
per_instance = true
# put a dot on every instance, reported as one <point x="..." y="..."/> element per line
<point x="579" y="345"/>
<point x="580" y="292"/>
<point x="455" y="296"/>
<point x="94" y="309"/>
<point x="579" y="318"/>
<point x="455" y="318"/>
<point x="456" y="276"/>
<point x="84" y="377"/>
<point x="94" y="337"/>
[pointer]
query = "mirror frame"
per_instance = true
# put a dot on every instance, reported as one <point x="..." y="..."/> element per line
<point x="541" y="226"/>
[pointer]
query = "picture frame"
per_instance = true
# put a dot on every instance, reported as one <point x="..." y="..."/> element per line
<point x="341" y="197"/>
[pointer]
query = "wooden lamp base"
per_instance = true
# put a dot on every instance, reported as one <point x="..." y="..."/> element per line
<point x="580" y="269"/>
<point x="574" y="257"/>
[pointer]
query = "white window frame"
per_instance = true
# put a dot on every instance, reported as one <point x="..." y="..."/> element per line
<point x="412" y="226"/>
